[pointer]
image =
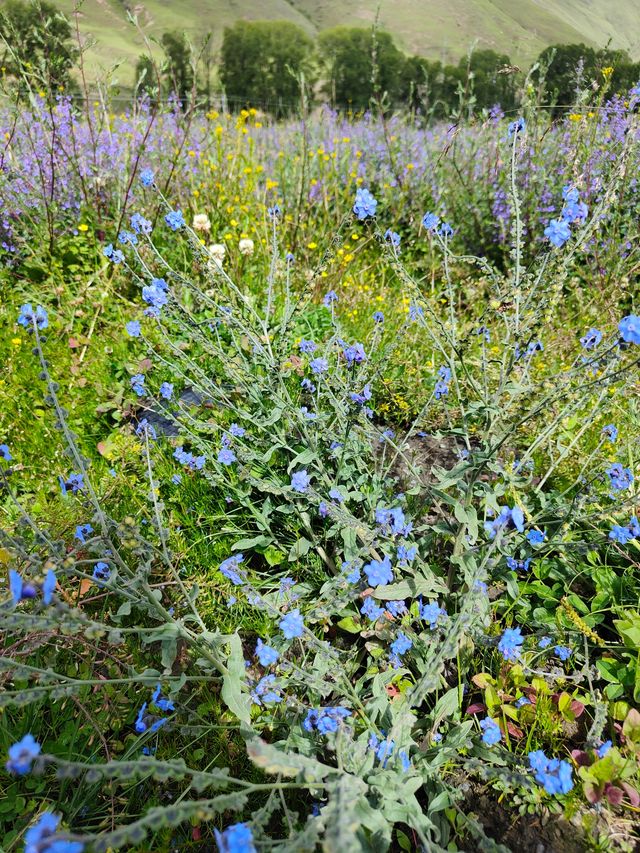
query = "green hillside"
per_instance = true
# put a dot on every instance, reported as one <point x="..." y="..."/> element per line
<point x="520" y="28"/>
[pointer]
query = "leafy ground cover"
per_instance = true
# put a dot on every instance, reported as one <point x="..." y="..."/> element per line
<point x="318" y="448"/>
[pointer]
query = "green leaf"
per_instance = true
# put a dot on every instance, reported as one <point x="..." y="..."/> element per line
<point x="255" y="542"/>
<point x="233" y="691"/>
<point x="409" y="588"/>
<point x="273" y="760"/>
<point x="299" y="549"/>
<point x="631" y="726"/>
<point x="340" y="816"/>
<point x="274" y="556"/>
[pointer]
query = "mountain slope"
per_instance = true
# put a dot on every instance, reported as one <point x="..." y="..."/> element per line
<point x="520" y="28"/>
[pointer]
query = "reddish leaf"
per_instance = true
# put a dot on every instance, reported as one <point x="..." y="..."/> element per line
<point x="196" y="833"/>
<point x="632" y="794"/>
<point x="614" y="794"/>
<point x="513" y="730"/>
<point x="477" y="708"/>
<point x="577" y="708"/>
<point x="392" y="690"/>
<point x="73" y="343"/>
<point x="581" y="758"/>
<point x="592" y="792"/>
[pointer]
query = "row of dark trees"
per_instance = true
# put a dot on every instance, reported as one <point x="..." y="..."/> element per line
<point x="272" y="63"/>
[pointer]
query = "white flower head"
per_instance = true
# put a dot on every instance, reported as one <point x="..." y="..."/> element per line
<point x="201" y="222"/>
<point x="246" y="246"/>
<point x="217" y="251"/>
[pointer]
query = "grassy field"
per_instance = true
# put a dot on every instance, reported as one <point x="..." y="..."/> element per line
<point x="519" y="28"/>
<point x="319" y="465"/>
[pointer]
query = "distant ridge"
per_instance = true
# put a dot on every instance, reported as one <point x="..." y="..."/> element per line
<point x="433" y="28"/>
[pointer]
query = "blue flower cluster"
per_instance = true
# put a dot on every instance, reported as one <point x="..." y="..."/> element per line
<point x="553" y="774"/>
<point x="325" y="720"/>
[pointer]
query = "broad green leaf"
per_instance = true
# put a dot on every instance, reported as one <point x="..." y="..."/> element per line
<point x="234" y="690"/>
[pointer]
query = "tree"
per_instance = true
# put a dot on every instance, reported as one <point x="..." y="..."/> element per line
<point x="569" y="69"/>
<point x="37" y="47"/>
<point x="177" y="70"/>
<point x="147" y="78"/>
<point x="572" y="68"/>
<point x="493" y="81"/>
<point x="261" y="62"/>
<point x="359" y="66"/>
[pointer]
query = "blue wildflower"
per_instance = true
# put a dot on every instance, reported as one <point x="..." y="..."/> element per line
<point x="133" y="328"/>
<point x="82" y="531"/>
<point x="510" y="642"/>
<point x="266" y="654"/>
<point x="145" y="429"/>
<point x="491" y="734"/>
<point x="226" y="456"/>
<point x="116" y="256"/>
<point x="591" y="339"/>
<point x="266" y="691"/>
<point x="602" y="750"/>
<point x="292" y="625"/>
<point x="365" y="204"/>
<point x="629" y="328"/>
<point x="28" y="317"/>
<point x="442" y="385"/>
<point x="553" y="774"/>
<point x="522" y="701"/>
<point x="156" y="298"/>
<point x="352" y="572"/>
<point x="557" y="232"/>
<point x="627" y="533"/>
<point x="445" y="230"/>
<point x="379" y="571"/>
<point x="325" y="720"/>
<point x="319" y="366"/>
<point x="400" y="646"/>
<point x="361" y="398"/>
<point x="48" y="586"/>
<point x="507" y="518"/>
<point x="5" y="453"/>
<point x="544" y="643"/>
<point x="42" y="838"/>
<point x="378" y="317"/>
<point x="140" y="225"/>
<point x="307" y="347"/>
<point x="166" y="390"/>
<point x="329" y="298"/>
<point x="396" y="608"/>
<point x="406" y="554"/>
<point x="74" y="484"/>
<point x="300" y="481"/>
<point x="229" y="568"/>
<point x="430" y="221"/>
<point x="535" y="537"/>
<point x="235" y="839"/>
<point x="174" y="219"/>
<point x="431" y="613"/>
<point x="563" y="652"/>
<point x="22" y="755"/>
<point x="516" y="127"/>
<point x="371" y="610"/>
<point x="611" y="432"/>
<point x="146" y="177"/>
<point x="137" y="384"/>
<point x="354" y="353"/>
<point x="518" y="565"/>
<point x="101" y="573"/>
<point x="392" y="237"/>
<point x="620" y="478"/>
